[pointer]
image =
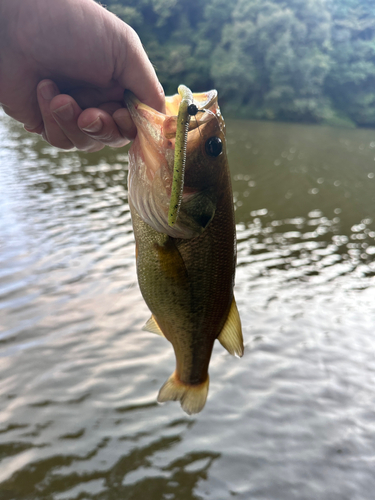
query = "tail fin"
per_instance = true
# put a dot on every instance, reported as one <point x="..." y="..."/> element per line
<point x="192" y="397"/>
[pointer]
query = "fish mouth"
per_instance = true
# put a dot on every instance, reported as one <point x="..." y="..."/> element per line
<point x="150" y="142"/>
<point x="151" y="157"/>
<point x="156" y="129"/>
<point x="139" y="111"/>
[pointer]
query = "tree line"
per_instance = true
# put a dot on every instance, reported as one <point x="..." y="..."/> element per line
<point x="295" y="60"/>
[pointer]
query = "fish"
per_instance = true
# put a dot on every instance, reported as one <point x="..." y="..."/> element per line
<point x="185" y="270"/>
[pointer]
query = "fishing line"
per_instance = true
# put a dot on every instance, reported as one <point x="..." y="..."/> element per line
<point x="201" y="111"/>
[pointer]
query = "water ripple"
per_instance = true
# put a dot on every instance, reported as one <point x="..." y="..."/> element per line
<point x="292" y="419"/>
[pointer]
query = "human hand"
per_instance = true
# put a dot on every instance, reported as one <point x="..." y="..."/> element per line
<point x="64" y="67"/>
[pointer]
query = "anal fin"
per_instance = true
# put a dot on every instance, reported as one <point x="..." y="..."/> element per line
<point x="152" y="326"/>
<point x="231" y="335"/>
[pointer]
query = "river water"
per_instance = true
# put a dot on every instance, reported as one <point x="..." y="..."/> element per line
<point x="293" y="419"/>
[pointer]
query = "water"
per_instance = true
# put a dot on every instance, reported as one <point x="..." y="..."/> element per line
<point x="293" y="419"/>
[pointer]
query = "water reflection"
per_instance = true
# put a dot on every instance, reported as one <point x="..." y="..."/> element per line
<point x="306" y="247"/>
<point x="143" y="467"/>
<point x="79" y="378"/>
<point x="306" y="208"/>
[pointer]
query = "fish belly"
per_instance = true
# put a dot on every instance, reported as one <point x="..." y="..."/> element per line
<point x="188" y="286"/>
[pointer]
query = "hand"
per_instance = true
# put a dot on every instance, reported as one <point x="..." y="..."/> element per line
<point x="64" y="67"/>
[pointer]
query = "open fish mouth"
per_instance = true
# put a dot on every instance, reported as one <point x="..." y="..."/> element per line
<point x="151" y="162"/>
<point x="163" y="126"/>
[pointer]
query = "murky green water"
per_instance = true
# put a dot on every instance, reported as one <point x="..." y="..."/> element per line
<point x="293" y="419"/>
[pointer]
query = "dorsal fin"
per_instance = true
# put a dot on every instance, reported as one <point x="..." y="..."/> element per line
<point x="153" y="327"/>
<point x="231" y="335"/>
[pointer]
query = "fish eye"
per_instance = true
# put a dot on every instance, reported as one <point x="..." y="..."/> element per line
<point x="214" y="146"/>
<point x="192" y="109"/>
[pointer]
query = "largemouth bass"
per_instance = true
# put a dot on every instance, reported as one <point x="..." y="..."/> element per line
<point x="185" y="271"/>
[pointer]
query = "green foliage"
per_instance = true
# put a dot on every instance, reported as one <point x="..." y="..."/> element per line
<point x="282" y="51"/>
<point x="300" y="60"/>
<point x="351" y="81"/>
<point x="175" y="37"/>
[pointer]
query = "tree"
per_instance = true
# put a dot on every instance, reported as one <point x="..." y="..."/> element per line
<point x="279" y="53"/>
<point x="351" y="81"/>
<point x="302" y="60"/>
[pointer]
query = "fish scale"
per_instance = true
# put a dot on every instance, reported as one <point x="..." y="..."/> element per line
<point x="186" y="281"/>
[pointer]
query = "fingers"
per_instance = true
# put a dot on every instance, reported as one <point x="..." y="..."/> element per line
<point x="88" y="97"/>
<point x="60" y="114"/>
<point x="65" y="125"/>
<point x="24" y="109"/>
<point x="125" y="123"/>
<point x="100" y="125"/>
<point x="52" y="132"/>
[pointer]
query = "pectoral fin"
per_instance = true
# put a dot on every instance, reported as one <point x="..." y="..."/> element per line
<point x="231" y="334"/>
<point x="153" y="327"/>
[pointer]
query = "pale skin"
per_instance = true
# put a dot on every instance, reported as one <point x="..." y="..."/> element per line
<point x="64" y="65"/>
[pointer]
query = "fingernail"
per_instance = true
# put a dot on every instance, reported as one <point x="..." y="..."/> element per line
<point x="48" y="91"/>
<point x="94" y="127"/>
<point x="65" y="112"/>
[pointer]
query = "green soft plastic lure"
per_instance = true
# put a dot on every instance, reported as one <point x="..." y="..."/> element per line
<point x="183" y="120"/>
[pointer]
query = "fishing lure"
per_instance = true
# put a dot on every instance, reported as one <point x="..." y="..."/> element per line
<point x="183" y="120"/>
<point x="186" y="110"/>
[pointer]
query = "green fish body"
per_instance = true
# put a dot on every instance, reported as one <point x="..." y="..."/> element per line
<point x="185" y="272"/>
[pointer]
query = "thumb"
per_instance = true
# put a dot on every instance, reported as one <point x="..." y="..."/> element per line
<point x="136" y="73"/>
